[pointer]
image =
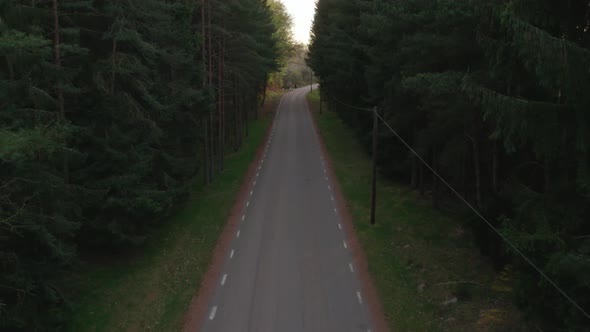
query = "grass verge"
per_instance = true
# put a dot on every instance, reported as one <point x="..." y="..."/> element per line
<point x="429" y="274"/>
<point x="152" y="291"/>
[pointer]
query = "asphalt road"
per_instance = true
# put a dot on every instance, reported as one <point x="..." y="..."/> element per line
<point x="289" y="268"/>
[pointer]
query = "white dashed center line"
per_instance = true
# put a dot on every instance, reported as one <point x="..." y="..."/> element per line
<point x="213" y="312"/>
<point x="359" y="297"/>
<point x="224" y="278"/>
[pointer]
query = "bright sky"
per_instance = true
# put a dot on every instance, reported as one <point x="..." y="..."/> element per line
<point x="302" y="12"/>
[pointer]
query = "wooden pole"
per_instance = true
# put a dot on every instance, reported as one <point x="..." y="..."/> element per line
<point x="374" y="172"/>
<point x="206" y="118"/>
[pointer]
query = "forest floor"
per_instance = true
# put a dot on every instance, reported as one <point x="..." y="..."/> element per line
<point x="429" y="274"/>
<point x="151" y="289"/>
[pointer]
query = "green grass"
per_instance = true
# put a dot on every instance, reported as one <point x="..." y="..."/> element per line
<point x="152" y="289"/>
<point x="413" y="245"/>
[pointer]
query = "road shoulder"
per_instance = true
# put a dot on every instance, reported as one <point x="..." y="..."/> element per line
<point x="359" y="258"/>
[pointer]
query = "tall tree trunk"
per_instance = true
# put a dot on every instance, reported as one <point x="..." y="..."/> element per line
<point x="206" y="178"/>
<point x="435" y="184"/>
<point x="57" y="56"/>
<point x="246" y="117"/>
<point x="413" y="165"/>
<point x="414" y="172"/>
<point x="113" y="66"/>
<point x="9" y="67"/>
<point x="238" y="110"/>
<point x="464" y="167"/>
<point x="278" y="82"/>
<point x="235" y="108"/>
<point x="210" y="49"/>
<point x="422" y="182"/>
<point x="220" y="106"/>
<point x="210" y="77"/>
<point x="495" y="180"/>
<point x="477" y="169"/>
<point x="206" y="79"/>
<point x="321" y="102"/>
<point x="211" y="147"/>
<point x="263" y="92"/>
<point x="59" y="86"/>
<point x="203" y="43"/>
<point x="547" y="174"/>
<point x="223" y="106"/>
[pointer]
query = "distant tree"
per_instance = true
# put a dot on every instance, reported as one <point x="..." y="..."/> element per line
<point x="283" y="36"/>
<point x="296" y="73"/>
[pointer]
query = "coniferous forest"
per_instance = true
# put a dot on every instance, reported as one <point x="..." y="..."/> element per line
<point x="109" y="110"/>
<point x="494" y="95"/>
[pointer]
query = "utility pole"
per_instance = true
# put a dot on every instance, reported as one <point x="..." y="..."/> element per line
<point x="311" y="79"/>
<point x="374" y="173"/>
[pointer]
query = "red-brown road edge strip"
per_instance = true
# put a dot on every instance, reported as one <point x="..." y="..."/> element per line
<point x="193" y="319"/>
<point x="359" y="258"/>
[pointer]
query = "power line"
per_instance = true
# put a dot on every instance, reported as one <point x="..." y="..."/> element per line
<point x="528" y="260"/>
<point x="351" y="106"/>
<point x="502" y="236"/>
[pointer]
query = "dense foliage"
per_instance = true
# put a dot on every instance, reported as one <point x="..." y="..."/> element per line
<point x="108" y="110"/>
<point x="296" y="73"/>
<point x="494" y="96"/>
